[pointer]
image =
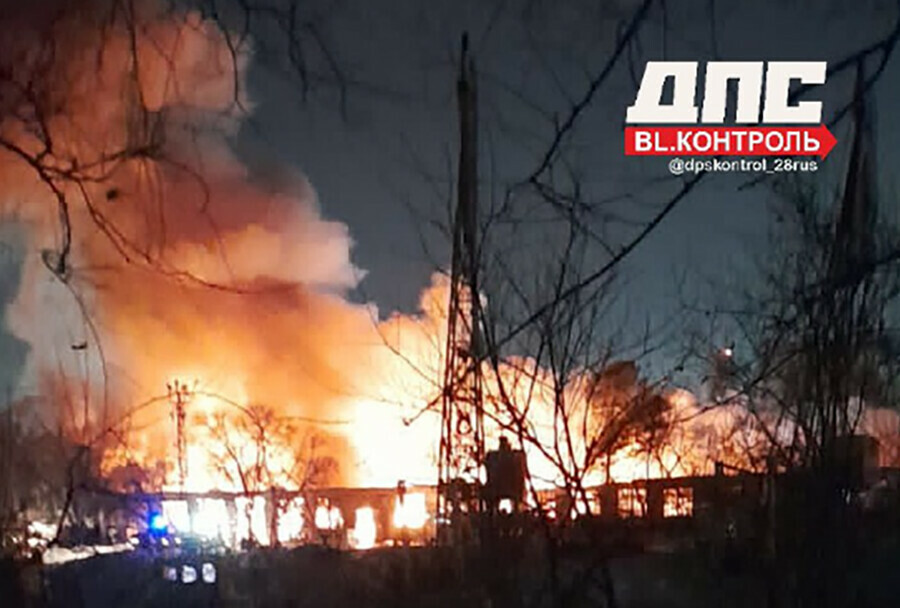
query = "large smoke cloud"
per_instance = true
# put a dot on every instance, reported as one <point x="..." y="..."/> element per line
<point x="185" y="265"/>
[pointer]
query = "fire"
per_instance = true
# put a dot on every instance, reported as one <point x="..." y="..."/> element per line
<point x="290" y="521"/>
<point x="410" y="512"/>
<point x="390" y="432"/>
<point x="241" y="288"/>
<point x="328" y="517"/>
<point x="365" y="531"/>
<point x="678" y="502"/>
<point x="210" y="518"/>
<point x="252" y="522"/>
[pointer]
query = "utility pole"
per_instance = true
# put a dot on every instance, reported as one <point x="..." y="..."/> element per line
<point x="461" y="451"/>
<point x="180" y="395"/>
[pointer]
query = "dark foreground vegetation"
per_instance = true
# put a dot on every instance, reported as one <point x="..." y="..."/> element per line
<point x="421" y="577"/>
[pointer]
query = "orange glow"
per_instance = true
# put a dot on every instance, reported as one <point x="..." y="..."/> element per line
<point x="328" y="518"/>
<point x="251" y="520"/>
<point x="297" y="386"/>
<point x="632" y="502"/>
<point x="290" y="521"/>
<point x="411" y="513"/>
<point x="365" y="531"/>
<point x="376" y="445"/>
<point x="678" y="502"/>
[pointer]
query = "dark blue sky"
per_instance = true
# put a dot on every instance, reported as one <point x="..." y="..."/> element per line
<point x="393" y="149"/>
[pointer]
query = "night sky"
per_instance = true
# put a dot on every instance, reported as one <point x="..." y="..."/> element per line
<point x="368" y="166"/>
<point x="383" y="165"/>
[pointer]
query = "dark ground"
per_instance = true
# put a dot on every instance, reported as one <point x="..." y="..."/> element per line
<point x="420" y="577"/>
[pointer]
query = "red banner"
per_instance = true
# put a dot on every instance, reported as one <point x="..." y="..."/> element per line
<point x="729" y="141"/>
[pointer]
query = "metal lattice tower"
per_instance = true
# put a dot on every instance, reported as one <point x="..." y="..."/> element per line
<point x="461" y="452"/>
<point x="857" y="209"/>
<point x="179" y="395"/>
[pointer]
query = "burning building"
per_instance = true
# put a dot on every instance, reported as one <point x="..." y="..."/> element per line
<point x="193" y="348"/>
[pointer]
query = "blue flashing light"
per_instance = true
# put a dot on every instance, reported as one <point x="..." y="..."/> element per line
<point x="158" y="522"/>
